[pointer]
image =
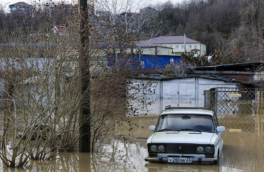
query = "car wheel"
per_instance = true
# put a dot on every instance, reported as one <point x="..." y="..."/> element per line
<point x="217" y="161"/>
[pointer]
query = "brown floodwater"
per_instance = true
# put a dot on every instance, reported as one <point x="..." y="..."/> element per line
<point x="242" y="152"/>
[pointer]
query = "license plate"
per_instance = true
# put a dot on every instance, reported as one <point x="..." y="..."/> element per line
<point x="179" y="160"/>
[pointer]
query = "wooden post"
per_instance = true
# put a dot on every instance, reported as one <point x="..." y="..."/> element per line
<point x="261" y="116"/>
<point x="85" y="130"/>
<point x="258" y="112"/>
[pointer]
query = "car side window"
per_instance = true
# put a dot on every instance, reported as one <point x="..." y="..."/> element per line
<point x="215" y="122"/>
<point x="156" y="127"/>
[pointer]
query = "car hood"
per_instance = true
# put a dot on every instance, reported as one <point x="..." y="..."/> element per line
<point x="181" y="137"/>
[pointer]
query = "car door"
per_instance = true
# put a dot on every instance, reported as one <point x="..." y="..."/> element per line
<point x="219" y="142"/>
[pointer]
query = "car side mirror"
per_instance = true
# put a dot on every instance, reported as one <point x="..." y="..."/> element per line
<point x="152" y="127"/>
<point x="220" y="129"/>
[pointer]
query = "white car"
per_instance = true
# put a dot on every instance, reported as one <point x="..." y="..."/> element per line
<point x="186" y="135"/>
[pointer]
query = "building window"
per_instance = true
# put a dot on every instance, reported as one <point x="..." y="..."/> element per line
<point x="190" y="46"/>
<point x="195" y="46"/>
<point x="182" y="46"/>
<point x="170" y="46"/>
<point x="195" y="52"/>
<point x="177" y="46"/>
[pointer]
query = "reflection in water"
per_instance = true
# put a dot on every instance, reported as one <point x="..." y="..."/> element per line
<point x="121" y="152"/>
<point x="121" y="155"/>
<point x="181" y="168"/>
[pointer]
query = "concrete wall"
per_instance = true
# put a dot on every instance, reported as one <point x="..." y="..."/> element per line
<point x="160" y="51"/>
<point x="259" y="76"/>
<point x="187" y="92"/>
<point x="150" y="51"/>
<point x="189" y="47"/>
<point x="203" y="49"/>
<point x="164" y="51"/>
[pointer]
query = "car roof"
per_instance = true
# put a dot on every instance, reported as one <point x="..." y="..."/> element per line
<point x="188" y="111"/>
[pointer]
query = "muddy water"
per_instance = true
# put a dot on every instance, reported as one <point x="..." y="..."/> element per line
<point x="242" y="153"/>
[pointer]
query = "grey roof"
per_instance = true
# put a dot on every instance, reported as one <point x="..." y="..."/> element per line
<point x="162" y="78"/>
<point x="233" y="66"/>
<point x="166" y="40"/>
<point x="20" y="3"/>
<point x="147" y="43"/>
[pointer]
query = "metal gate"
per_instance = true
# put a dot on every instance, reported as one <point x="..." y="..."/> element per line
<point x="236" y="108"/>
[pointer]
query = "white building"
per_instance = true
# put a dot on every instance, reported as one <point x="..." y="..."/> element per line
<point x="176" y="43"/>
<point x="20" y="8"/>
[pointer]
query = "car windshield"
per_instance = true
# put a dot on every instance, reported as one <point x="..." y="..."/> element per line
<point x="186" y="122"/>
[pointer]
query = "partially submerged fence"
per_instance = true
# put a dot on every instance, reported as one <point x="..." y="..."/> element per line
<point x="260" y="112"/>
<point x="238" y="109"/>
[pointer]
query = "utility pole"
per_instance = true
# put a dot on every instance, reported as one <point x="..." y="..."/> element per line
<point x="85" y="112"/>
<point x="184" y="44"/>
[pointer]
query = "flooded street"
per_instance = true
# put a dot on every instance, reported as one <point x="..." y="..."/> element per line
<point x="126" y="150"/>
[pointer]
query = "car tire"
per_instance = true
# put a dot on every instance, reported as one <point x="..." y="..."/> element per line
<point x="217" y="161"/>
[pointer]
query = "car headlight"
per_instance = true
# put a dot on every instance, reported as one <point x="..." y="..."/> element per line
<point x="161" y="148"/>
<point x="200" y="149"/>
<point x="153" y="148"/>
<point x="208" y="149"/>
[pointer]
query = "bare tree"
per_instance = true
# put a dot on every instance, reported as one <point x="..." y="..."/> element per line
<point x="178" y="69"/>
<point x="132" y="16"/>
<point x="39" y="82"/>
<point x="252" y="19"/>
